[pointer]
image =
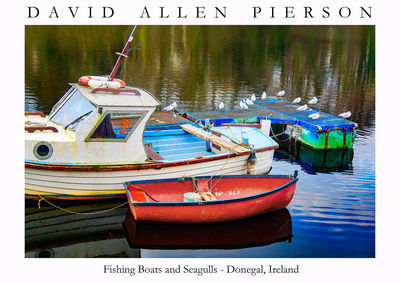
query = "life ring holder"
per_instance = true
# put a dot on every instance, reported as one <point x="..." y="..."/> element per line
<point x="101" y="82"/>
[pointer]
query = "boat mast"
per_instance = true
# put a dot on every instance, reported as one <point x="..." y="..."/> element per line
<point x="122" y="55"/>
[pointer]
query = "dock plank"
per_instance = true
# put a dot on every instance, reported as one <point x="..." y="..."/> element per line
<point x="227" y="144"/>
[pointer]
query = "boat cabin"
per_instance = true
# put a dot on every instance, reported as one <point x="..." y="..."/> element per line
<point x="88" y="125"/>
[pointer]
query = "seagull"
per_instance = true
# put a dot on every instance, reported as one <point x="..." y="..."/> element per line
<point x="264" y="95"/>
<point x="281" y="93"/>
<point x="345" y="115"/>
<point x="170" y="107"/>
<point x="313" y="100"/>
<point x="243" y="105"/>
<point x="249" y="101"/>
<point x="297" y="100"/>
<point x="314" y="116"/>
<point x="302" y="108"/>
<point x="221" y="105"/>
<point x="253" y="97"/>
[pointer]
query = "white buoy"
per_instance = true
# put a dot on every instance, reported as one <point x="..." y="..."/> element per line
<point x="313" y="100"/>
<point x="191" y="197"/>
<point x="345" y="115"/>
<point x="297" y="100"/>
<point x="253" y="97"/>
<point x="221" y="106"/>
<point x="302" y="108"/>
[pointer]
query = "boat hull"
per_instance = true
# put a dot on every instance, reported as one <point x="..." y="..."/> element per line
<point x="99" y="182"/>
<point x="246" y="198"/>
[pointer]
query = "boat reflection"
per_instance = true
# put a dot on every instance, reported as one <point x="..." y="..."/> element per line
<point x="315" y="160"/>
<point x="78" y="231"/>
<point x="261" y="230"/>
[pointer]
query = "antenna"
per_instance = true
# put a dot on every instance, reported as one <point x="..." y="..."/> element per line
<point x="122" y="55"/>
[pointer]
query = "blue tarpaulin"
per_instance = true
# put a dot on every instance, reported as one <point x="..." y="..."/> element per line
<point x="277" y="110"/>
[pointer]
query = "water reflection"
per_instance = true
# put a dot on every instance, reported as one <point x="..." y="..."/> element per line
<point x="313" y="161"/>
<point x="200" y="66"/>
<point x="261" y="230"/>
<point x="76" y="230"/>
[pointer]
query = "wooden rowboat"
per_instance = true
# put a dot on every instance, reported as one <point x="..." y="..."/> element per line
<point x="221" y="198"/>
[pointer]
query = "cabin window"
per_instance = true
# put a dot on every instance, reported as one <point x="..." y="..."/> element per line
<point x="75" y="109"/>
<point x="116" y="126"/>
<point x="65" y="96"/>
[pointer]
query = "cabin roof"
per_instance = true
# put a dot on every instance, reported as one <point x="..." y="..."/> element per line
<point x="126" y="96"/>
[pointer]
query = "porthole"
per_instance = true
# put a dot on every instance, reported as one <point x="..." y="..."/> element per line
<point x="42" y="150"/>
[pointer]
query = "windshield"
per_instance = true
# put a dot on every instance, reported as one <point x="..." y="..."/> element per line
<point x="74" y="110"/>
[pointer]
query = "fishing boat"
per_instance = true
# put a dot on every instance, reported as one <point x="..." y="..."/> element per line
<point x="209" y="199"/>
<point x="93" y="141"/>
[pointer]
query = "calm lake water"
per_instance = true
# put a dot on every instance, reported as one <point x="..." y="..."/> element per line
<point x="333" y="211"/>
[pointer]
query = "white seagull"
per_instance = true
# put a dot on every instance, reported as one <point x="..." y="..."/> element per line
<point x="243" y="105"/>
<point x="249" y="101"/>
<point x="253" y="97"/>
<point x="297" y="100"/>
<point x="170" y="107"/>
<point x="314" y="116"/>
<point x="314" y="100"/>
<point x="281" y="93"/>
<point x="345" y="115"/>
<point x="221" y="105"/>
<point x="302" y="108"/>
<point x="264" y="95"/>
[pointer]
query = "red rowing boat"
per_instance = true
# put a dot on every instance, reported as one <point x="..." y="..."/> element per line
<point x="209" y="199"/>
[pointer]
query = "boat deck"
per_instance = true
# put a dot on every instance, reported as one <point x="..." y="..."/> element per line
<point x="165" y="120"/>
<point x="175" y="144"/>
<point x="178" y="144"/>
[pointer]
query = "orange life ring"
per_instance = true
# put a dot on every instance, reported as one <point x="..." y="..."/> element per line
<point x="98" y="81"/>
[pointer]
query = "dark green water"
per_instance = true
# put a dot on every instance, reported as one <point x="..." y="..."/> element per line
<point x="333" y="211"/>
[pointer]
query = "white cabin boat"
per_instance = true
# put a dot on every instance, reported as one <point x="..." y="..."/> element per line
<point x="93" y="140"/>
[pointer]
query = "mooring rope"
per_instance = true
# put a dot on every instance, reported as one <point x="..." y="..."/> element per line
<point x="80" y="213"/>
<point x="277" y="135"/>
<point x="41" y="198"/>
<point x="146" y="192"/>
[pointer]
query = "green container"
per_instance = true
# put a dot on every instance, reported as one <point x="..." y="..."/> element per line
<point x="334" y="139"/>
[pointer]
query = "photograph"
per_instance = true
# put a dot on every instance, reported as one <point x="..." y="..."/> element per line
<point x="200" y="141"/>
